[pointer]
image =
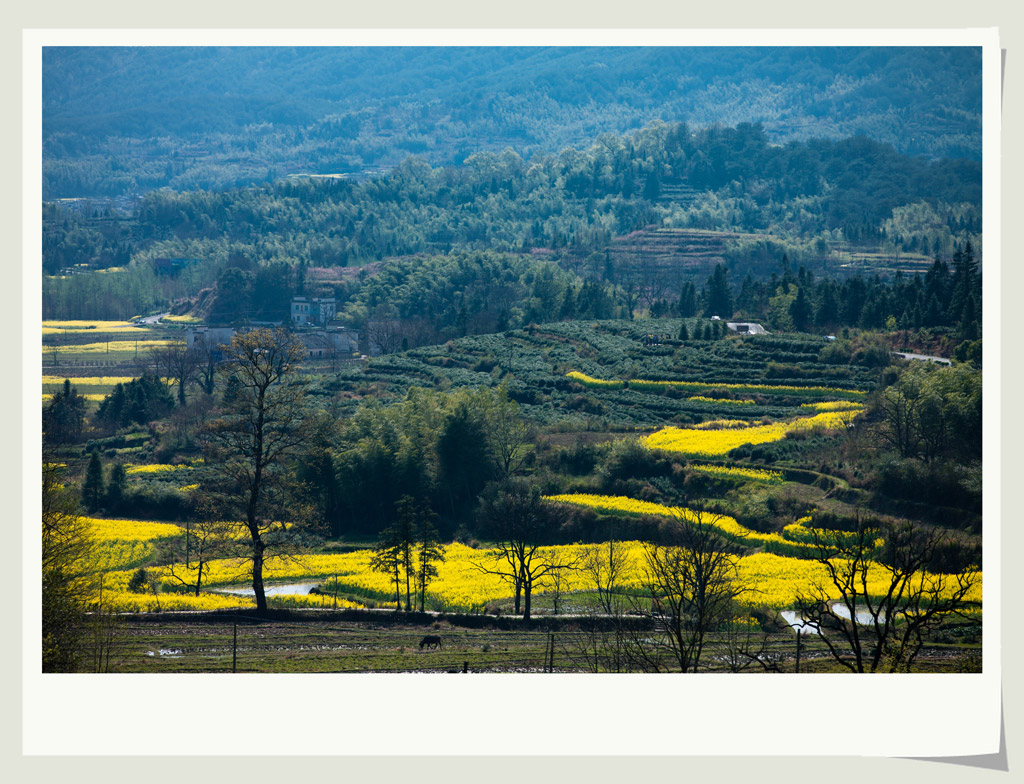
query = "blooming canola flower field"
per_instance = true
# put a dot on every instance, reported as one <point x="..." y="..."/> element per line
<point x="751" y="474"/>
<point x="105" y="347"/>
<point x="769" y="580"/>
<point x="701" y="386"/>
<point x="711" y="443"/>
<point x="155" y="468"/>
<point x="727" y="526"/>
<point x="88" y="381"/>
<point x="59" y="327"/>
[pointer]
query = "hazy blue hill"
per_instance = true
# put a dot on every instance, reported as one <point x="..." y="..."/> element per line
<point x="118" y="119"/>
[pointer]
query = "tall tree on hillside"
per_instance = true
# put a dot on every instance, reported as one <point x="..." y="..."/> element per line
<point x="509" y="432"/>
<point x="64" y="416"/>
<point x="718" y="298"/>
<point x="828" y="309"/>
<point x="465" y="460"/>
<point x="393" y="554"/>
<point x="259" y="428"/>
<point x="115" y="487"/>
<point x="801" y="310"/>
<point x="92" y="486"/>
<point x="965" y="280"/>
<point x="688" y="300"/>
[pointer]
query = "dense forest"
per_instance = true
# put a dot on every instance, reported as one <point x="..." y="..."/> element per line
<point x="253" y="248"/>
<point x="120" y="120"/>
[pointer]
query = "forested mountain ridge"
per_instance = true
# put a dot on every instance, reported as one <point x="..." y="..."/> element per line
<point x="723" y="179"/>
<point x="436" y="227"/>
<point x="128" y="119"/>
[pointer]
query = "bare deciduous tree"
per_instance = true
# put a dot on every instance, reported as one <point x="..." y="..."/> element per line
<point x="888" y="601"/>
<point x="509" y="433"/>
<point x="691" y="584"/>
<point x="261" y="424"/>
<point x="177" y="364"/>
<point x="605" y="565"/>
<point x="520" y="522"/>
<point x="204" y="540"/>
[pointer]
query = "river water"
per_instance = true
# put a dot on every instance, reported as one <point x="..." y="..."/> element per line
<point x="270" y="590"/>
<point x="805" y="627"/>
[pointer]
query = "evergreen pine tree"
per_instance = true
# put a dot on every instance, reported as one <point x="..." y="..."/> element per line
<point x="92" y="487"/>
<point x="969" y="326"/>
<point x="800" y="310"/>
<point x="828" y="308"/>
<point x="428" y="550"/>
<point x="64" y="416"/>
<point x="115" y="487"/>
<point x="688" y="300"/>
<point x="718" y="297"/>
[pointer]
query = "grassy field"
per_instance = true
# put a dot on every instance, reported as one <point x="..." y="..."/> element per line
<point x="324" y="642"/>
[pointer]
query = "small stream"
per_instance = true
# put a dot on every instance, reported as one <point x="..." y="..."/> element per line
<point x="270" y="590"/>
<point x="799" y="625"/>
<point x="802" y="626"/>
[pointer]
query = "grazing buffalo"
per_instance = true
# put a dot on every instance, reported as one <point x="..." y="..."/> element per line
<point x="431" y="641"/>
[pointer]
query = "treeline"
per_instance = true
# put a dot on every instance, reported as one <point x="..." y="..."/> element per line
<point x="131" y="119"/>
<point x="577" y="199"/>
<point x="945" y="296"/>
<point x="571" y="205"/>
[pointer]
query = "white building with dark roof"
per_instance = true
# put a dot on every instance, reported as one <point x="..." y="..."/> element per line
<point x="312" y="311"/>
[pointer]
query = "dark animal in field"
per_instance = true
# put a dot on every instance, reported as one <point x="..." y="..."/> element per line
<point x="431" y="641"/>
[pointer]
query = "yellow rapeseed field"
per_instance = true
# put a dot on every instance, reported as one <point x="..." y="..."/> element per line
<point x="131" y="530"/>
<point x="89" y="381"/>
<point x="728" y="526"/>
<point x="710" y="443"/>
<point x="155" y="468"/>
<point x="105" y="347"/>
<point x="590" y="381"/>
<point x="770" y="580"/>
<point x="698" y="386"/>
<point x="833" y="405"/>
<point x="57" y="327"/>
<point x="752" y="474"/>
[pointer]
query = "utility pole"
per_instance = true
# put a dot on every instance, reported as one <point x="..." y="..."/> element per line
<point x="234" y="650"/>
